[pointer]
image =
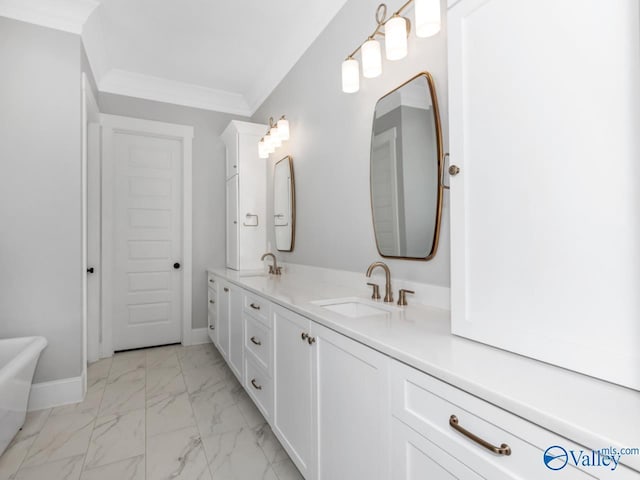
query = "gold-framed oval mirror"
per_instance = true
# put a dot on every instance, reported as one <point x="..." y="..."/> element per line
<point x="406" y="163"/>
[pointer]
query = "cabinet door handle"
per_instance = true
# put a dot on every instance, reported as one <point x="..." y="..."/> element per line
<point x="211" y="327"/>
<point x="503" y="449"/>
<point x="255" y="385"/>
<point x="254" y="306"/>
<point x="211" y="302"/>
<point x="211" y="280"/>
<point x="304" y="336"/>
<point x="311" y="340"/>
<point x="226" y="289"/>
<point x="255" y="342"/>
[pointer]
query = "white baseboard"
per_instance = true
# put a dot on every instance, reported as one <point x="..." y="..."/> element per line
<point x="199" y="336"/>
<point x="55" y="393"/>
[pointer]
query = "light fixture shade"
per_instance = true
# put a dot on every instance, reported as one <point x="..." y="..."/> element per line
<point x="262" y="149"/>
<point x="268" y="141"/>
<point x="283" y="129"/>
<point x="350" y="76"/>
<point x="395" y="38"/>
<point x="276" y="141"/>
<point x="427" y="17"/>
<point x="371" y="59"/>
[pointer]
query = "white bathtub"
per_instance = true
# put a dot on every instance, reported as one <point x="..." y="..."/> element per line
<point x="18" y="359"/>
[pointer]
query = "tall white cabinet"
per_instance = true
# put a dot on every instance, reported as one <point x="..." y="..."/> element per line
<point x="246" y="196"/>
<point x="544" y="106"/>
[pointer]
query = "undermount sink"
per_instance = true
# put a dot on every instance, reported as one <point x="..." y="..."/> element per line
<point x="354" y="307"/>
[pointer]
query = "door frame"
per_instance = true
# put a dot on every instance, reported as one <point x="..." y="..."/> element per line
<point x="184" y="133"/>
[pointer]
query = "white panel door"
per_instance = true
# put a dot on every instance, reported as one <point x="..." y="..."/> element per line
<point x="384" y="179"/>
<point x="147" y="287"/>
<point x="233" y="253"/>
<point x="236" y="332"/>
<point x="545" y="212"/>
<point x="293" y="359"/>
<point x="352" y="408"/>
<point x="224" y="303"/>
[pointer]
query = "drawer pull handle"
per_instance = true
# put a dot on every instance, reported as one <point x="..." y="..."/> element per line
<point x="503" y="449"/>
<point x="256" y="342"/>
<point x="255" y="385"/>
<point x="226" y="289"/>
<point x="311" y="340"/>
<point x="254" y="306"/>
<point x="211" y="327"/>
<point x="304" y="336"/>
<point x="211" y="280"/>
<point x="211" y="302"/>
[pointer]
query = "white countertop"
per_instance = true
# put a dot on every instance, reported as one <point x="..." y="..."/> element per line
<point x="591" y="412"/>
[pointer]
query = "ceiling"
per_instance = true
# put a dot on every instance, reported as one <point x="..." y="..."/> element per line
<point x="220" y="55"/>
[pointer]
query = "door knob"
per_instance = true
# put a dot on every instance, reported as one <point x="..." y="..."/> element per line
<point x="176" y="265"/>
<point x="90" y="270"/>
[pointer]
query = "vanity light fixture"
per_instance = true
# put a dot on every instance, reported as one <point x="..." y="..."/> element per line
<point x="395" y="31"/>
<point x="278" y="132"/>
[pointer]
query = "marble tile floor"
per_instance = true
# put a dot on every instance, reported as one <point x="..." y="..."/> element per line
<point x="163" y="413"/>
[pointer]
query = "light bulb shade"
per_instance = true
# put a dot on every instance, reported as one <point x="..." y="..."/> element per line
<point x="262" y="149"/>
<point x="350" y="76"/>
<point x="273" y="131"/>
<point x="276" y="141"/>
<point x="395" y="38"/>
<point x="268" y="141"/>
<point x="283" y="129"/>
<point x="427" y="17"/>
<point x="371" y="59"/>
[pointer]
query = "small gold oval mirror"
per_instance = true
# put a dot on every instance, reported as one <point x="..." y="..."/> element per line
<point x="284" y="205"/>
<point x="406" y="169"/>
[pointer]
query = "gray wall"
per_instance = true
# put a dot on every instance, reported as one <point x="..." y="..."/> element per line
<point x="40" y="192"/>
<point x="330" y="139"/>
<point x="208" y="182"/>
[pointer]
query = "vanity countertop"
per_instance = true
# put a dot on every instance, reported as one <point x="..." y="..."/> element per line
<point x="588" y="411"/>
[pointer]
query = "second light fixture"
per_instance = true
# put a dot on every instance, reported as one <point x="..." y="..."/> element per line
<point x="396" y="30"/>
<point x="278" y="132"/>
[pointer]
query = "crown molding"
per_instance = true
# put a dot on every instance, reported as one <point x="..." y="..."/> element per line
<point x="66" y="15"/>
<point x="131" y="84"/>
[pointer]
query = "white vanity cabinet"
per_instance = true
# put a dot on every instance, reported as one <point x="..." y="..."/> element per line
<point x="246" y="180"/>
<point x="544" y="236"/>
<point x="350" y="394"/>
<point x="222" y="327"/>
<point x="293" y="423"/>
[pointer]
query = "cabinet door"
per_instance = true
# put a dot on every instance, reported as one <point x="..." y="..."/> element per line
<point x="236" y="329"/>
<point x="224" y="303"/>
<point x="292" y="420"/>
<point x="232" y="157"/>
<point x="351" y="398"/>
<point x="233" y="259"/>
<point x="416" y="458"/>
<point x="544" y="241"/>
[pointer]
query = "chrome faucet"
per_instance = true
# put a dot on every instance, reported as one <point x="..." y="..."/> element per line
<point x="273" y="269"/>
<point x="388" y="293"/>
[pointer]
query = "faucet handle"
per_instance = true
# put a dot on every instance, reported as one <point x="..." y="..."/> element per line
<point x="402" y="301"/>
<point x="278" y="270"/>
<point x="271" y="272"/>
<point x="376" y="290"/>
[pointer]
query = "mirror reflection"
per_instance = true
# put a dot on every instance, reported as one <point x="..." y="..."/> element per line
<point x="405" y="169"/>
<point x="284" y="210"/>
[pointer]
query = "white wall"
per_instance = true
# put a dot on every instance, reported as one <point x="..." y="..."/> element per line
<point x="40" y="191"/>
<point x="330" y="141"/>
<point x="208" y="182"/>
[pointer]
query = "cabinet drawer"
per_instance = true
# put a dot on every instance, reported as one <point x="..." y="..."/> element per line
<point x="427" y="405"/>
<point x="259" y="386"/>
<point x="257" y="307"/>
<point x="258" y="341"/>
